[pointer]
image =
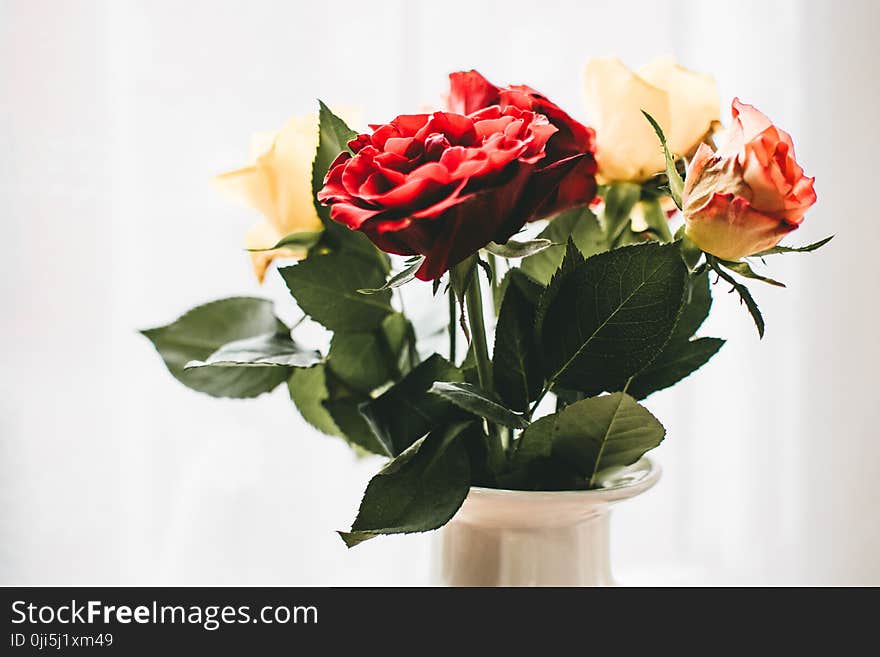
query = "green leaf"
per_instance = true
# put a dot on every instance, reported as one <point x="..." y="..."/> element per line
<point x="795" y="249"/>
<point x="690" y="252"/>
<point x="620" y="199"/>
<point x="605" y="319"/>
<point x="677" y="361"/>
<point x="331" y="408"/>
<point x="326" y="288"/>
<point x="333" y="138"/>
<point x="308" y="391"/>
<point x="516" y="361"/>
<point x="515" y="249"/>
<point x="579" y="225"/>
<point x="339" y="239"/>
<point x="277" y="349"/>
<point x="398" y="279"/>
<point x="470" y="398"/>
<point x="303" y="239"/>
<point x="407" y="411"/>
<point x="603" y="432"/>
<point x="400" y="340"/>
<point x="205" y="329"/>
<point x="361" y="360"/>
<point x="676" y="184"/>
<point x="418" y="491"/>
<point x="743" y="269"/>
<point x="698" y="302"/>
<point x="570" y="448"/>
<point x="744" y="295"/>
<point x="353" y="426"/>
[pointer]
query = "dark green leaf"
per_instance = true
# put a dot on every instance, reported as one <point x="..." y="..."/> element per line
<point x="418" y="491"/>
<point x="515" y="249"/>
<point x="361" y="359"/>
<point x="677" y="361"/>
<point x="339" y="239"/>
<point x="471" y="399"/>
<point x="205" y="329"/>
<point x="400" y="342"/>
<point x="620" y="199"/>
<point x="796" y="249"/>
<point x="743" y="269"/>
<point x="698" y="302"/>
<point x="331" y="408"/>
<point x="407" y="411"/>
<point x="353" y="426"/>
<point x="333" y="138"/>
<point x="676" y="184"/>
<point x="326" y="288"/>
<point x="585" y="438"/>
<point x="579" y="225"/>
<point x="605" y="319"/>
<point x="516" y="361"/>
<point x="277" y="349"/>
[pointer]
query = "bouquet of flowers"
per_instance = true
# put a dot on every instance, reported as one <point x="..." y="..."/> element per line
<point x="570" y="297"/>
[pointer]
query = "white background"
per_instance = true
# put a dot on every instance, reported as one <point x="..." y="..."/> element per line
<point x="113" y="117"/>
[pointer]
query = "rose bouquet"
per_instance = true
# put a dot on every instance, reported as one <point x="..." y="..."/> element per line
<point x="514" y="210"/>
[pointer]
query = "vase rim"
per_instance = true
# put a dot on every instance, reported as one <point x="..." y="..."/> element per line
<point x="621" y="484"/>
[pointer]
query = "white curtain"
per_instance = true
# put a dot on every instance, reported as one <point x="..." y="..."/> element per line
<point x="114" y="115"/>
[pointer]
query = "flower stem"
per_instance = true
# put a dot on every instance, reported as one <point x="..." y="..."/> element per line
<point x="474" y="303"/>
<point x="453" y="326"/>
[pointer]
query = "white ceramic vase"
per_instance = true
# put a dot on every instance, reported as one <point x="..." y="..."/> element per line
<point x="525" y="538"/>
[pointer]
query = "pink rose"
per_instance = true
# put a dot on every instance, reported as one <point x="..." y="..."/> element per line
<point x="744" y="197"/>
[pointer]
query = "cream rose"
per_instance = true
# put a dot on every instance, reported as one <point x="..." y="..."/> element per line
<point x="278" y="184"/>
<point x="684" y="103"/>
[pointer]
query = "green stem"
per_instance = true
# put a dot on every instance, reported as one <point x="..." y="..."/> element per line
<point x="473" y="300"/>
<point x="474" y="303"/>
<point x="539" y="399"/>
<point x="453" y="326"/>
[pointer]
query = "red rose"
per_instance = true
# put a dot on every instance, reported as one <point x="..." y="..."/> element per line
<point x="443" y="185"/>
<point x="469" y="91"/>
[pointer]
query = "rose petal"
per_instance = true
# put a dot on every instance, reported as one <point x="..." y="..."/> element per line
<point x="470" y="91"/>
<point x="626" y="146"/>
<point x="694" y="102"/>
<point x="730" y="228"/>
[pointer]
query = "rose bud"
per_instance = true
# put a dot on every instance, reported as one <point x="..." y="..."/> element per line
<point x="277" y="184"/>
<point x="743" y="198"/>
<point x="684" y="103"/>
<point x="443" y="185"/>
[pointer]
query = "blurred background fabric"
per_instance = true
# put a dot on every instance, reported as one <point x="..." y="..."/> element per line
<point x="115" y="115"/>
